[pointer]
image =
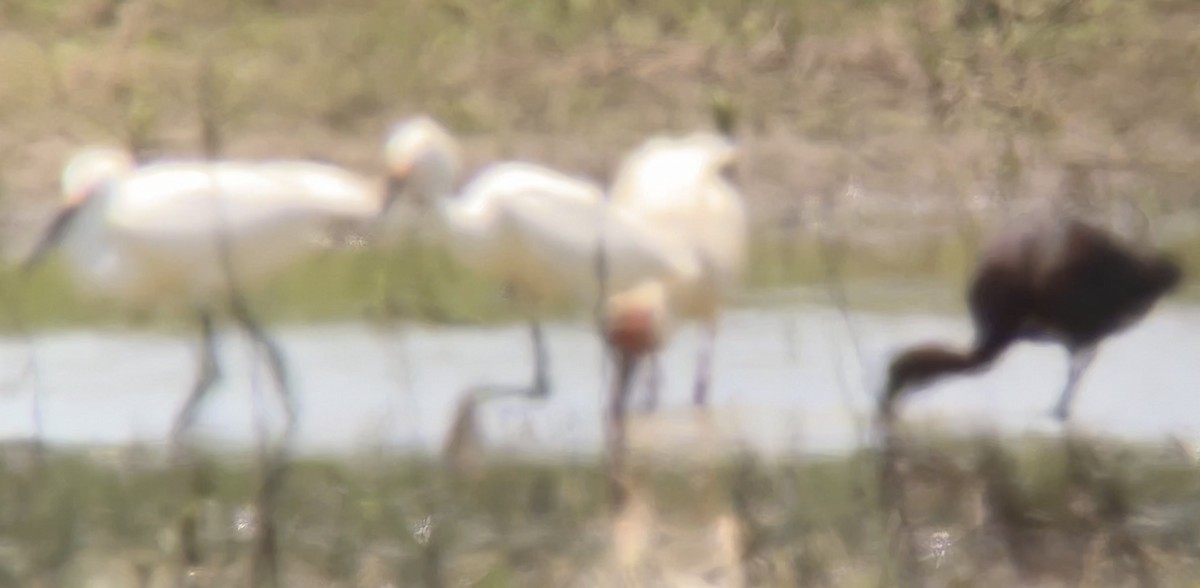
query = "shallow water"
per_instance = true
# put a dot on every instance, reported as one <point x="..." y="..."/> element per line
<point x="786" y="379"/>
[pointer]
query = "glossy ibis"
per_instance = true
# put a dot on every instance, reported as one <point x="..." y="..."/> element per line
<point x="1053" y="278"/>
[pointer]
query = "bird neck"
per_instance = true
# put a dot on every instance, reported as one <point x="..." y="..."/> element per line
<point x="434" y="183"/>
<point x="615" y="423"/>
<point x="923" y="364"/>
<point x="436" y="173"/>
<point x="80" y="239"/>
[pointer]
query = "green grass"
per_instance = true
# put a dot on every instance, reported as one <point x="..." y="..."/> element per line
<point x="424" y="283"/>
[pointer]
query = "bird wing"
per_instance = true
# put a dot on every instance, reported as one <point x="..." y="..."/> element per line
<point x="197" y="199"/>
<point x="668" y="173"/>
<point x="676" y="184"/>
<point x="327" y="188"/>
<point x="554" y="222"/>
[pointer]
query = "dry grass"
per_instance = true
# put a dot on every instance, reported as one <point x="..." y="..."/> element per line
<point x="913" y="100"/>
<point x="108" y="518"/>
<point x="900" y="131"/>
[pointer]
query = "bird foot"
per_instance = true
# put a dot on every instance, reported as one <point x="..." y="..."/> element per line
<point x="540" y="389"/>
<point x="649" y="405"/>
<point x="1061" y="413"/>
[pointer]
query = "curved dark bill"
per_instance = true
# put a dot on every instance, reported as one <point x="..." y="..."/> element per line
<point x="395" y="187"/>
<point x="50" y="238"/>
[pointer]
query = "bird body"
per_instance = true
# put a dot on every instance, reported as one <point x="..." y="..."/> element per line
<point x="540" y="230"/>
<point x="191" y="234"/>
<point x="1047" y="278"/>
<point x="170" y="232"/>
<point x="188" y="235"/>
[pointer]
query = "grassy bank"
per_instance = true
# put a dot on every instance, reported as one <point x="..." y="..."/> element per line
<point x="424" y="283"/>
<point x="81" y="519"/>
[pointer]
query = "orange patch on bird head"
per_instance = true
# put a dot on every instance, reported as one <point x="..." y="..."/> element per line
<point x="634" y="332"/>
<point x="90" y="168"/>
<point x="635" y="320"/>
<point x="418" y="138"/>
<point x="422" y="157"/>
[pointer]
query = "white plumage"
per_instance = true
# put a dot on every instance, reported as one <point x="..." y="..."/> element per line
<point x="531" y="226"/>
<point x="536" y="229"/>
<point x="673" y="219"/>
<point x="173" y="233"/>
<point x="159" y="234"/>
<point x="678" y="185"/>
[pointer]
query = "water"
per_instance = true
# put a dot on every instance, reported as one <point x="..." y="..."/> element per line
<point x="786" y="379"/>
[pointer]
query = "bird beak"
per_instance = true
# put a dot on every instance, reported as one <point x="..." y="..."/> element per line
<point x="51" y="237"/>
<point x="396" y="185"/>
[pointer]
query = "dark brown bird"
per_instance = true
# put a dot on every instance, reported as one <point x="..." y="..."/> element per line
<point x="1050" y="278"/>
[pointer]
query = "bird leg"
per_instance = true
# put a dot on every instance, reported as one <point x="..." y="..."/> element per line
<point x="462" y="434"/>
<point x="1080" y="360"/>
<point x="208" y="374"/>
<point x="265" y="564"/>
<point x="615" y="425"/>
<point x="653" y="384"/>
<point x="274" y="361"/>
<point x="601" y="280"/>
<point x="541" y="363"/>
<point x="704" y="366"/>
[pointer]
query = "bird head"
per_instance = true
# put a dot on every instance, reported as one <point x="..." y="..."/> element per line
<point x="422" y="158"/>
<point x="85" y="174"/>
<point x="89" y="168"/>
<point x="636" y="319"/>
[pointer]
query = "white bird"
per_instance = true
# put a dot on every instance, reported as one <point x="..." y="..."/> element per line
<point x="188" y="235"/>
<point x="536" y="229"/>
<point x="636" y="323"/>
<point x="679" y="185"/>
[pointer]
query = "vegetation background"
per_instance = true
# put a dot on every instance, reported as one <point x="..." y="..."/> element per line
<point x="891" y="131"/>
<point x="902" y="128"/>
